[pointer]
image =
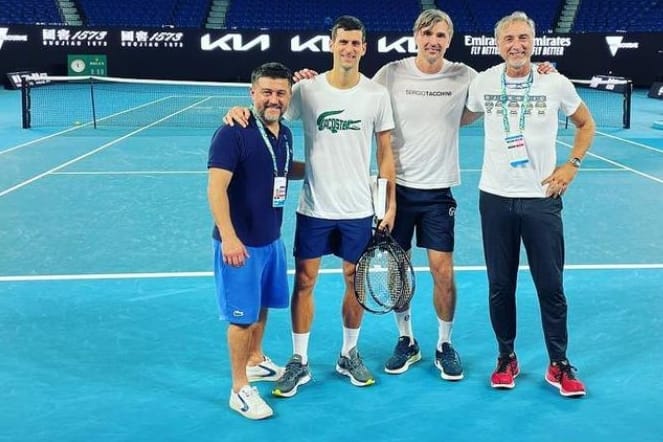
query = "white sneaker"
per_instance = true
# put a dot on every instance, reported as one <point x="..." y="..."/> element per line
<point x="265" y="371"/>
<point x="249" y="404"/>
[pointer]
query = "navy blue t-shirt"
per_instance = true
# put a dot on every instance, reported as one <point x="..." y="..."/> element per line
<point x="242" y="151"/>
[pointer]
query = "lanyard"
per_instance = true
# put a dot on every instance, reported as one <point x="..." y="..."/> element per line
<point x="504" y="98"/>
<point x="265" y="138"/>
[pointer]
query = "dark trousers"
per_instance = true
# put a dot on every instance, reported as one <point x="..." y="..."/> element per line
<point x="538" y="223"/>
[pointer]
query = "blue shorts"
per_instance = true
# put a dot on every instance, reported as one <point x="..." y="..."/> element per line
<point x="432" y="212"/>
<point x="345" y="238"/>
<point x="262" y="282"/>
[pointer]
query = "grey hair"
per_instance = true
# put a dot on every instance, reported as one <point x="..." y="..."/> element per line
<point x="430" y="17"/>
<point x="517" y="16"/>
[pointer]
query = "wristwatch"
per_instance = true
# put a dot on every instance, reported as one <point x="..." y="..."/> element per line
<point x="575" y="161"/>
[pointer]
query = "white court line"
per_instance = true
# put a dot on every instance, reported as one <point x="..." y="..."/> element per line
<point x="89" y="123"/>
<point x="98" y="149"/>
<point x="635" y="143"/>
<point x="615" y="163"/>
<point x="138" y="172"/>
<point x="164" y="275"/>
<point x="585" y="169"/>
<point x="37" y="140"/>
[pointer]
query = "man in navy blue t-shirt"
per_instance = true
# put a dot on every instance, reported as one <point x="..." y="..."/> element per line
<point x="248" y="182"/>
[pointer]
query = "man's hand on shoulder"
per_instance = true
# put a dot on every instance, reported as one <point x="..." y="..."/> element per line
<point x="304" y="74"/>
<point x="237" y="114"/>
<point x="545" y="68"/>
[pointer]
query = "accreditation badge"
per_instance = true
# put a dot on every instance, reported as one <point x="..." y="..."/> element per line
<point x="279" y="194"/>
<point x="517" y="150"/>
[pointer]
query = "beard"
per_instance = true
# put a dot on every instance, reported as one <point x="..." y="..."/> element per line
<point x="271" y="114"/>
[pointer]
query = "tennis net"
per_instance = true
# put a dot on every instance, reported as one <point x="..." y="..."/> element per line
<point x="108" y="101"/>
<point x="608" y="99"/>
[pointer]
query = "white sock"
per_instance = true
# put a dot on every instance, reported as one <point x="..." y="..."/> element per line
<point x="350" y="338"/>
<point x="300" y="345"/>
<point x="443" y="332"/>
<point x="404" y="324"/>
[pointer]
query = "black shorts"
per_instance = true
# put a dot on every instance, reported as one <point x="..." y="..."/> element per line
<point x="431" y="211"/>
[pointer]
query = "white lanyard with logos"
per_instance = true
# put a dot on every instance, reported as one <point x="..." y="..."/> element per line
<point x="280" y="182"/>
<point x="515" y="142"/>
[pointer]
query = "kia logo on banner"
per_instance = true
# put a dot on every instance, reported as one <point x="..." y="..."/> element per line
<point x="234" y="43"/>
<point x="145" y="39"/>
<point x="6" y="36"/>
<point x="317" y="43"/>
<point x="616" y="43"/>
<point x="402" y="45"/>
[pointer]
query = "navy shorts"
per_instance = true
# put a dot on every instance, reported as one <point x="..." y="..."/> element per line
<point x="431" y="211"/>
<point x="345" y="238"/>
<point x="262" y="282"/>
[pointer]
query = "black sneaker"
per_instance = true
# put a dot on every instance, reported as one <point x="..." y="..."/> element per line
<point x="405" y="354"/>
<point x="448" y="362"/>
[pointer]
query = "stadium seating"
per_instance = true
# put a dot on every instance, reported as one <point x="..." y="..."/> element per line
<point x="619" y="15"/>
<point x="387" y="15"/>
<point x="469" y="16"/>
<point x="29" y="12"/>
<point x="153" y="13"/>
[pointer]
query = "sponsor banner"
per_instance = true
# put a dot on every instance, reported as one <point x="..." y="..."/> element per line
<point x="231" y="55"/>
<point x="16" y="79"/>
<point x="617" y="42"/>
<point x="656" y="90"/>
<point x="74" y="37"/>
<point x="7" y="37"/>
<point x="547" y="46"/>
<point x="130" y="38"/>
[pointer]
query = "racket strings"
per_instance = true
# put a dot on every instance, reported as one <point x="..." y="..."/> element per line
<point x="378" y="283"/>
<point x="384" y="277"/>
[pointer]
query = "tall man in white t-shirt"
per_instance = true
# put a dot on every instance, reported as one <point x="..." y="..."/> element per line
<point x="520" y="193"/>
<point x="428" y="94"/>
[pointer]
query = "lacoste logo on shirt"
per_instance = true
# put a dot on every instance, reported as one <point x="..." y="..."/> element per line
<point x="238" y="313"/>
<point x="336" y="124"/>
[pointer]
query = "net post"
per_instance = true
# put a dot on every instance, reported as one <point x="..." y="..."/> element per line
<point x="94" y="110"/>
<point x="628" y="90"/>
<point x="25" y="102"/>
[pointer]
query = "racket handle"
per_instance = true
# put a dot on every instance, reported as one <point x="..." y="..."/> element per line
<point x="381" y="206"/>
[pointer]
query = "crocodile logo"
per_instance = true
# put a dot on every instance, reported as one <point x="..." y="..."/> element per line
<point x="334" y="125"/>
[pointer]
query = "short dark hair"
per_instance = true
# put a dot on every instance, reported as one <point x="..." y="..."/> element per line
<point x="271" y="70"/>
<point x="348" y="23"/>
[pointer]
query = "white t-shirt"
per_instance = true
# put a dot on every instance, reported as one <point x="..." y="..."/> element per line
<point x="427" y="109"/>
<point x="339" y="125"/>
<point x="548" y="94"/>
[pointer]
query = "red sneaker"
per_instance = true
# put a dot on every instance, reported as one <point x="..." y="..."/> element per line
<point x="560" y="375"/>
<point x="506" y="372"/>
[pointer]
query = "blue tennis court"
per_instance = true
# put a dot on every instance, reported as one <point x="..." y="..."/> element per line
<point x="108" y="318"/>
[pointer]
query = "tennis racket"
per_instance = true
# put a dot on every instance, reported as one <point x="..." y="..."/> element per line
<point x="384" y="277"/>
